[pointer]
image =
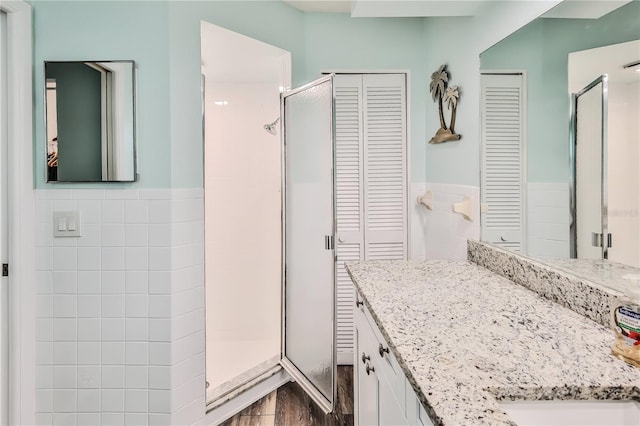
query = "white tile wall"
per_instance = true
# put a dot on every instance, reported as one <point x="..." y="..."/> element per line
<point x="186" y="376"/>
<point x="445" y="233"/>
<point x="104" y="306"/>
<point x="120" y="310"/>
<point x="548" y="219"/>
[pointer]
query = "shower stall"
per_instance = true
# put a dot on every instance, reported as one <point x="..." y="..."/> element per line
<point x="269" y="225"/>
<point x="297" y="182"/>
<point x="242" y="82"/>
<point x="605" y="154"/>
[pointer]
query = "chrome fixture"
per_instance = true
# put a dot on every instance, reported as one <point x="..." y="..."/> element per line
<point x="271" y="127"/>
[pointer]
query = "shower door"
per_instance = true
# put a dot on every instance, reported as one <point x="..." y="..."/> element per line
<point x="4" y="257"/>
<point x="309" y="329"/>
<point x="589" y="228"/>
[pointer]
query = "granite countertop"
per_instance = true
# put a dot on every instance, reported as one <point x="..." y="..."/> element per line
<point x="467" y="338"/>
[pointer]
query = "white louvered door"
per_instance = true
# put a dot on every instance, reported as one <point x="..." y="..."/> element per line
<point x="385" y="179"/>
<point x="349" y="202"/>
<point x="371" y="211"/>
<point x="503" y="160"/>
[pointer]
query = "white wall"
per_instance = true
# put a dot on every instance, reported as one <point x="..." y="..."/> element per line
<point x="243" y="231"/>
<point x="445" y="232"/>
<point x="624" y="174"/>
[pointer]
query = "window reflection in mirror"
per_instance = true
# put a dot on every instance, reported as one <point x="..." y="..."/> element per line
<point x="90" y="121"/>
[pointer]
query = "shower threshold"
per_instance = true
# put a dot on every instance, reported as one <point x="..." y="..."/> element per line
<point x="241" y="383"/>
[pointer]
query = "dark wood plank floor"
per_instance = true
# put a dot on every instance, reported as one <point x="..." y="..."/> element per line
<point x="290" y="406"/>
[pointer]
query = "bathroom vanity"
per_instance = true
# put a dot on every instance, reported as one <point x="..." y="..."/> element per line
<point x="451" y="342"/>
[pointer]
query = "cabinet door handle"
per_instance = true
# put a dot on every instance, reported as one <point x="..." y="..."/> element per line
<point x="359" y="303"/>
<point x="365" y="358"/>
<point x="382" y="350"/>
<point x="370" y="369"/>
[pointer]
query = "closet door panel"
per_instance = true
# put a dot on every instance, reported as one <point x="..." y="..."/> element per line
<point x="349" y="203"/>
<point x="385" y="174"/>
<point x="370" y="182"/>
<point x="503" y="157"/>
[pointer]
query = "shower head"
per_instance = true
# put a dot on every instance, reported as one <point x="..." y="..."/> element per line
<point x="272" y="127"/>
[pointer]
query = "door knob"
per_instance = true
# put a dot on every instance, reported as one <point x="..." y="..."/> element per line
<point x="370" y="369"/>
<point x="365" y="358"/>
<point x="382" y="350"/>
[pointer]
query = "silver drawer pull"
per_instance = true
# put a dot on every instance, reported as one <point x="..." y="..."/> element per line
<point x="365" y="358"/>
<point x="382" y="350"/>
<point x="370" y="369"/>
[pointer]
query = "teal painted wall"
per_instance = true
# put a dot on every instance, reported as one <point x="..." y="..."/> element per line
<point x="164" y="40"/>
<point x="541" y="48"/>
<point x="107" y="30"/>
<point x="337" y="42"/>
<point x="318" y="42"/>
<point x="445" y="41"/>
<point x="275" y="23"/>
<point x="78" y="101"/>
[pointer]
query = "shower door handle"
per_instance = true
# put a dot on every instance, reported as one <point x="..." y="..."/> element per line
<point x="329" y="243"/>
<point x="597" y="240"/>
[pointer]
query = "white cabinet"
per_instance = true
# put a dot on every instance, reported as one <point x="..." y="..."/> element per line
<point x="383" y="395"/>
<point x="366" y="381"/>
<point x="390" y="410"/>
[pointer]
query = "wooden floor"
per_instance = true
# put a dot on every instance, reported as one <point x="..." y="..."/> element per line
<point x="290" y="406"/>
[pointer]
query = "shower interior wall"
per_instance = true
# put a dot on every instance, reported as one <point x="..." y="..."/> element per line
<point x="242" y="228"/>
<point x="242" y="171"/>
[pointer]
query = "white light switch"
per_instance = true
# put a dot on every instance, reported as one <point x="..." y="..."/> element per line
<point x="66" y="224"/>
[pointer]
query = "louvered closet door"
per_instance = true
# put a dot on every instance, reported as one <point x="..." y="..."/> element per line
<point x="385" y="179"/>
<point x="370" y="182"/>
<point x="349" y="206"/>
<point x="503" y="154"/>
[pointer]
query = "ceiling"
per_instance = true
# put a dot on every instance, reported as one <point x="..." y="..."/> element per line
<point x="586" y="65"/>
<point x="585" y="9"/>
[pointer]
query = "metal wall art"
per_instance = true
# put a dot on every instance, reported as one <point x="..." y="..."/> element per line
<point x="441" y="92"/>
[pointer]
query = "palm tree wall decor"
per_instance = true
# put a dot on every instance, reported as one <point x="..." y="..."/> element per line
<point x="442" y="93"/>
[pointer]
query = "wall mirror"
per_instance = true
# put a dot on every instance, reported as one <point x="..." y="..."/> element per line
<point x="561" y="82"/>
<point x="90" y="121"/>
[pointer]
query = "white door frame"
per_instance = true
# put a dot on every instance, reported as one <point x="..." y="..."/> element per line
<point x="20" y="214"/>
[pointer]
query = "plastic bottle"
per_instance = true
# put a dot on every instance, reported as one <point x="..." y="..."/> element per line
<point x="626" y="324"/>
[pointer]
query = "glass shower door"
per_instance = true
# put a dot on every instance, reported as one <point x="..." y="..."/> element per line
<point x="590" y="235"/>
<point x="308" y="349"/>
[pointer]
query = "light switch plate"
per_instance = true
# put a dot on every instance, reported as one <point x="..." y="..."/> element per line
<point x="66" y="224"/>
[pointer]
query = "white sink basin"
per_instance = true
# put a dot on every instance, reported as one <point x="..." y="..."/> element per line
<point x="573" y="413"/>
